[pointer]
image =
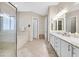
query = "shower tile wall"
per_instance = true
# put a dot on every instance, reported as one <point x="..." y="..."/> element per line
<point x="7" y="30"/>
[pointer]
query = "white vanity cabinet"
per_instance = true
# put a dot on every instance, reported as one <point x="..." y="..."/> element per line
<point x="57" y="45"/>
<point x="52" y="40"/>
<point x="75" y="51"/>
<point x="66" y="49"/>
<point x="63" y="48"/>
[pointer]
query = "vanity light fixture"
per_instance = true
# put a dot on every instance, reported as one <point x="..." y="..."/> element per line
<point x="60" y="14"/>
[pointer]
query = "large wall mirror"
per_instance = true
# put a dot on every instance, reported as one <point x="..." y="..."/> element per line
<point x="67" y="20"/>
<point x="71" y="25"/>
<point x="54" y="25"/>
<point x="58" y="24"/>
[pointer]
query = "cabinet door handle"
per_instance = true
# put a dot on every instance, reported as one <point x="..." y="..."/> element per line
<point x="73" y="53"/>
<point x="68" y="47"/>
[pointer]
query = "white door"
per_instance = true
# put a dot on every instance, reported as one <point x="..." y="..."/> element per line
<point x="35" y="28"/>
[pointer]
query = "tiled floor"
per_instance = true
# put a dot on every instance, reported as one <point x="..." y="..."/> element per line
<point x="36" y="48"/>
<point x="7" y="49"/>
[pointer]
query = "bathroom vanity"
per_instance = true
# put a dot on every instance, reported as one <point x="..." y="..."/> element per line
<point x="65" y="45"/>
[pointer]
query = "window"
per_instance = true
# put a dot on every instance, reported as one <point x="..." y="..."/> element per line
<point x="8" y="23"/>
<point x="12" y="23"/>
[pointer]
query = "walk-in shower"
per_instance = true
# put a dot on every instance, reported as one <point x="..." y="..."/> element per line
<point x="7" y="30"/>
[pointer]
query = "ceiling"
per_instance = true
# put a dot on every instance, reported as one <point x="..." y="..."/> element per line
<point x="37" y="7"/>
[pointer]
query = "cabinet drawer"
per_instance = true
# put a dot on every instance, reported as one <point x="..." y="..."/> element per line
<point x="52" y="40"/>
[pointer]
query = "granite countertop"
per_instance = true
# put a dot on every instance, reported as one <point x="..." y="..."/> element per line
<point x="70" y="39"/>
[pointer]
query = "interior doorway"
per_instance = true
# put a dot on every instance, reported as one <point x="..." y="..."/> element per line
<point x="35" y="27"/>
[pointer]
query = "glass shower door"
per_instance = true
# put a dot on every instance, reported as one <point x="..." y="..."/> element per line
<point x="7" y="33"/>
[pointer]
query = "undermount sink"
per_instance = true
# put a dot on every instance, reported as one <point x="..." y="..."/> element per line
<point x="65" y="34"/>
<point x="75" y="36"/>
<point x="68" y="34"/>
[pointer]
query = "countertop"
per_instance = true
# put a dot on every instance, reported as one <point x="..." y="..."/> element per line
<point x="70" y="39"/>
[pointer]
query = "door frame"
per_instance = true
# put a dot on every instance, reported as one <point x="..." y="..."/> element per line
<point x="46" y="28"/>
<point x="37" y="27"/>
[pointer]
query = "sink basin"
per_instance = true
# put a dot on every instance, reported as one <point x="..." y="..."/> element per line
<point x="76" y="36"/>
<point x="68" y="34"/>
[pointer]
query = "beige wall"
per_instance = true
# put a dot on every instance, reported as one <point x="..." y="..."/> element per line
<point x="8" y="9"/>
<point x="52" y="11"/>
<point x="25" y="18"/>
